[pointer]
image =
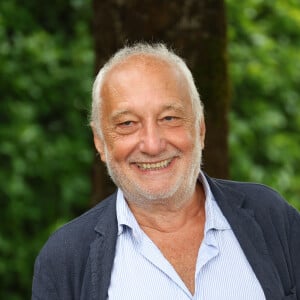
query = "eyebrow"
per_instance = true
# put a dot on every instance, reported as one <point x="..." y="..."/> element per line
<point x="175" y="107"/>
<point x="117" y="114"/>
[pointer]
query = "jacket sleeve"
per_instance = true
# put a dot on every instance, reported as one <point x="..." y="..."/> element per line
<point x="43" y="287"/>
<point x="295" y="249"/>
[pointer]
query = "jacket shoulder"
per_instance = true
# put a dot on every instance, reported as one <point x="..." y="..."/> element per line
<point x="83" y="227"/>
<point x="73" y="239"/>
<point x="62" y="264"/>
<point x="255" y="195"/>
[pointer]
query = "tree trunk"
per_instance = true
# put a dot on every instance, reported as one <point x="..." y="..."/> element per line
<point x="196" y="29"/>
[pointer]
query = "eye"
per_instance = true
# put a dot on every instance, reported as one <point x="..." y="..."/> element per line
<point x="169" y="118"/>
<point x="126" y="127"/>
<point x="126" y="123"/>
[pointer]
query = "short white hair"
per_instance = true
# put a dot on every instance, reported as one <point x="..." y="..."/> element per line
<point x="159" y="51"/>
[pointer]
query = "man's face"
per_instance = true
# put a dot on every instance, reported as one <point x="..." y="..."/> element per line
<point x="151" y="144"/>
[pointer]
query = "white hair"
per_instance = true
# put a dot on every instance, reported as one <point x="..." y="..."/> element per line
<point x="159" y="51"/>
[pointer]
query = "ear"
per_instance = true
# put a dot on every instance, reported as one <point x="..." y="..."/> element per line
<point x="202" y="132"/>
<point x="99" y="143"/>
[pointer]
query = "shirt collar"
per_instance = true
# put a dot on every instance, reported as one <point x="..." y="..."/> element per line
<point x="124" y="215"/>
<point x="214" y="216"/>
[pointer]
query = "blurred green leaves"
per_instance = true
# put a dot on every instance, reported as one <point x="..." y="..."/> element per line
<point x="46" y="151"/>
<point x="264" y="51"/>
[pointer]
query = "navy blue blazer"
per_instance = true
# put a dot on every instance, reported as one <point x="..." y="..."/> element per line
<point x="77" y="260"/>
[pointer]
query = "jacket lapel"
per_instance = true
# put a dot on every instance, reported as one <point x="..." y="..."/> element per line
<point x="102" y="253"/>
<point x="250" y="237"/>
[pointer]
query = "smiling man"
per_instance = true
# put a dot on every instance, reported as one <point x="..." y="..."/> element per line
<point x="170" y="231"/>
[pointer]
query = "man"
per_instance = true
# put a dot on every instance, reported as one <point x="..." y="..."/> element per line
<point x="170" y="232"/>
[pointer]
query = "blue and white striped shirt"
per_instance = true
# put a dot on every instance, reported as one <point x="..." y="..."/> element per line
<point x="140" y="270"/>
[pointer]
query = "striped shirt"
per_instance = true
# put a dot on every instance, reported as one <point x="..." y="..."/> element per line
<point x="140" y="270"/>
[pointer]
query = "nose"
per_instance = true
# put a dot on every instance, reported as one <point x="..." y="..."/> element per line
<point x="152" y="141"/>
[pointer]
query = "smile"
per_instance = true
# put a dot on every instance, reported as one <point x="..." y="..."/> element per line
<point x="154" y="166"/>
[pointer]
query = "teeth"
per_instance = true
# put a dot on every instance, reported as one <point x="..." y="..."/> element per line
<point x="154" y="166"/>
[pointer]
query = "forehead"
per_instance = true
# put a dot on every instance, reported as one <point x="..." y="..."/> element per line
<point x="144" y="68"/>
<point x="144" y="77"/>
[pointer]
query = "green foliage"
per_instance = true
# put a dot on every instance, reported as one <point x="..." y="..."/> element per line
<point x="264" y="47"/>
<point x="46" y="60"/>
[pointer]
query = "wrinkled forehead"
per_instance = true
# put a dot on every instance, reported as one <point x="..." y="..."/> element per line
<point x="144" y="67"/>
<point x="144" y="64"/>
<point x="144" y="74"/>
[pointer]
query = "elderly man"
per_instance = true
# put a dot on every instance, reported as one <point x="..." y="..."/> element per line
<point x="169" y="232"/>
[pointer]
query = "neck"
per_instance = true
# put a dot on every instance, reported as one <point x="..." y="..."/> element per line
<point x="168" y="216"/>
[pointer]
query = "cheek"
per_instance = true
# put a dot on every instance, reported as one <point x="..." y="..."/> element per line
<point x="183" y="138"/>
<point x="120" y="148"/>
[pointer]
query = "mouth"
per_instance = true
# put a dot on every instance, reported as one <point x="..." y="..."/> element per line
<point x="154" y="166"/>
